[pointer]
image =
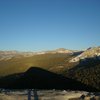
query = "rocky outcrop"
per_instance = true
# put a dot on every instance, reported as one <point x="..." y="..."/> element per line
<point x="89" y="53"/>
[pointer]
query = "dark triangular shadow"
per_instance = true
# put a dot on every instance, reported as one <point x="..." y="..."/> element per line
<point x="38" y="78"/>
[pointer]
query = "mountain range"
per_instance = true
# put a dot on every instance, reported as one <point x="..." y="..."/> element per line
<point x="82" y="66"/>
<point x="6" y="55"/>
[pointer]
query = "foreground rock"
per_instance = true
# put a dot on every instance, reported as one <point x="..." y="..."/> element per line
<point x="42" y="95"/>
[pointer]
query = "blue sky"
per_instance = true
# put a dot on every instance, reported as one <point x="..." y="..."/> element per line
<point x="35" y="25"/>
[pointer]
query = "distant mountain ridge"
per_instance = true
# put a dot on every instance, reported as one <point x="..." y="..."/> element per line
<point x="92" y="52"/>
<point x="6" y="55"/>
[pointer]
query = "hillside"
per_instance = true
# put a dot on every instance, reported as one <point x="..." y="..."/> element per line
<point x="82" y="66"/>
<point x="18" y="63"/>
<point x="87" y="70"/>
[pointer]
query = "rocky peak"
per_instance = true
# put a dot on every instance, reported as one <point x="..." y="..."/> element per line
<point x="93" y="52"/>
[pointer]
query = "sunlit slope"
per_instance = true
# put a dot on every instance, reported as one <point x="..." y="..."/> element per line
<point x="46" y="61"/>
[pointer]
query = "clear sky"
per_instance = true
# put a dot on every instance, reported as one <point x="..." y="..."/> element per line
<point x="31" y="25"/>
